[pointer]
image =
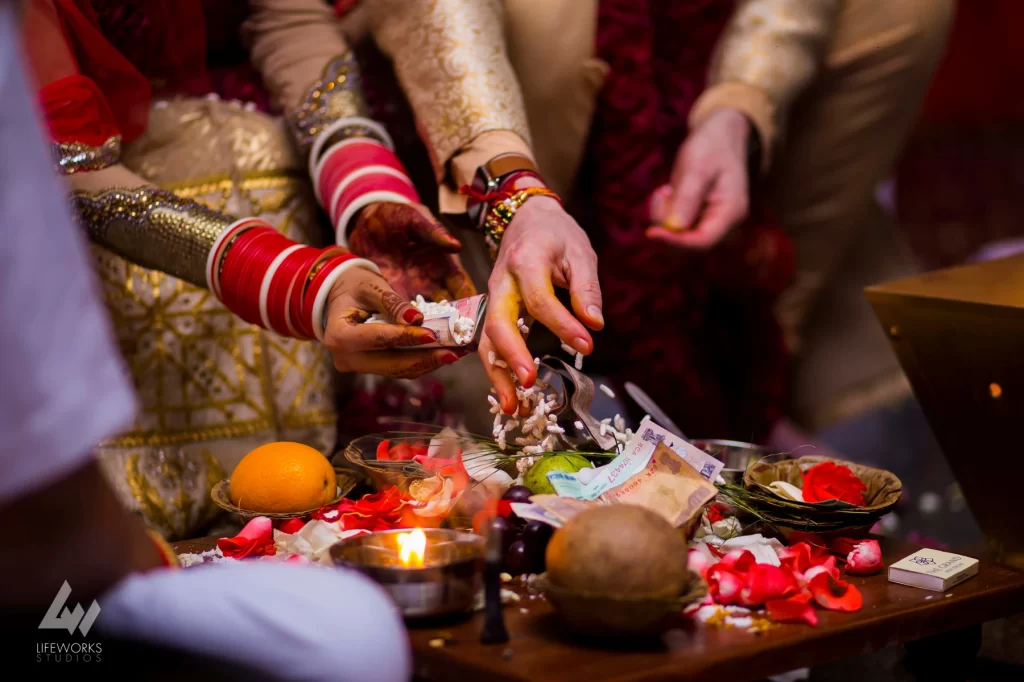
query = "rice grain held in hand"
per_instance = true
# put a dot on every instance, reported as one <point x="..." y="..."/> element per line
<point x="618" y="549"/>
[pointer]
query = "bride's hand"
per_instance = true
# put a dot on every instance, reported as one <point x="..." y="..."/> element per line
<point x="412" y="249"/>
<point x="376" y="348"/>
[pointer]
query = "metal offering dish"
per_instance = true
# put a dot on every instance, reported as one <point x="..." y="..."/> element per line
<point x="221" y="496"/>
<point x="442" y="580"/>
<point x="736" y="456"/>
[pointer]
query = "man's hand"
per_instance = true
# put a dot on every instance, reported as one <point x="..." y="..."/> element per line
<point x="708" y="193"/>
<point x="413" y="251"/>
<point x="542" y="248"/>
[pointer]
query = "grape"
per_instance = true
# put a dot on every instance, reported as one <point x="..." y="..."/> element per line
<point x="517" y="493"/>
<point x="515" y="559"/>
<point x="508" y="533"/>
<point x="536" y="536"/>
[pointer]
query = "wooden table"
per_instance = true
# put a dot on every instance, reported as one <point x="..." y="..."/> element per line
<point x="540" y="649"/>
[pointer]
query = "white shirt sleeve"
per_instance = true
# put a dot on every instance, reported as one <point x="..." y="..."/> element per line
<point x="310" y="623"/>
<point x="63" y="386"/>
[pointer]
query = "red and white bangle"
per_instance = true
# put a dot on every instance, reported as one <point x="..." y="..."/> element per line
<point x="269" y="280"/>
<point x="356" y="172"/>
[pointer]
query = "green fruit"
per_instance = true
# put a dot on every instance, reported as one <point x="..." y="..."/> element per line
<point x="537" y="477"/>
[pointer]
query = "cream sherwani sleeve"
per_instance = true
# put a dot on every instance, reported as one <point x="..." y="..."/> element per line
<point x="769" y="53"/>
<point x="450" y="58"/>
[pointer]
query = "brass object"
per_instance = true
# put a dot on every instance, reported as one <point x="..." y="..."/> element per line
<point x="447" y="584"/>
<point x="221" y="496"/>
<point x="960" y="335"/>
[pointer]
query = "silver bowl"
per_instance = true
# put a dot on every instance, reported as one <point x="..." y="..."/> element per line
<point x="736" y="456"/>
<point x="447" y="583"/>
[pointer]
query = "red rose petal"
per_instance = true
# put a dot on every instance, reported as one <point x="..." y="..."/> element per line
<point x="795" y="609"/>
<point x="292" y="526"/>
<point x="831" y="481"/>
<point x="865" y="558"/>
<point x="383" y="454"/>
<point x="725" y="584"/>
<point x="255" y="539"/>
<point x="801" y="556"/>
<point x="766" y="582"/>
<point x="698" y="563"/>
<point x="834" y="594"/>
<point x="740" y="560"/>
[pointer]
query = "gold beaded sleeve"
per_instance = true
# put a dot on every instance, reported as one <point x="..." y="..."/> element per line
<point x="768" y="54"/>
<point x="450" y="58"/>
<point x="152" y="228"/>
<point x="306" y="64"/>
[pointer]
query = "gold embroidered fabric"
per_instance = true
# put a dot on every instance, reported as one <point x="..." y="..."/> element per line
<point x="450" y="58"/>
<point x="774" y="46"/>
<point x="72" y="157"/>
<point x="334" y="96"/>
<point x="152" y="227"/>
<point x="211" y="387"/>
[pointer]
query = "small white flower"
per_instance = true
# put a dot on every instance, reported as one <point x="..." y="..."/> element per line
<point x="578" y="425"/>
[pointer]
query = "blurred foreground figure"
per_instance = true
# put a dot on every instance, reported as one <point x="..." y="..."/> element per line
<point x="65" y="389"/>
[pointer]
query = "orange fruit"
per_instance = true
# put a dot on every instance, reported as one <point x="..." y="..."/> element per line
<point x="281" y="478"/>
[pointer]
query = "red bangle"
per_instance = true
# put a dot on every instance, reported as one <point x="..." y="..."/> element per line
<point x="329" y="261"/>
<point x="349" y="156"/>
<point x="279" y="284"/>
<point x="245" y="265"/>
<point x="370" y="182"/>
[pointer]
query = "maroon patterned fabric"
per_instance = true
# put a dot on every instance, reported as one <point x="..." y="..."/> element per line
<point x="696" y="330"/>
<point x="184" y="47"/>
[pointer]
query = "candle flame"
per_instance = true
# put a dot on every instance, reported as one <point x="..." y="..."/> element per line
<point x="411" y="547"/>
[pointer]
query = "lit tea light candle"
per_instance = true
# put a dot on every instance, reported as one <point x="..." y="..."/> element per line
<point x="411" y="547"/>
<point x="445" y="583"/>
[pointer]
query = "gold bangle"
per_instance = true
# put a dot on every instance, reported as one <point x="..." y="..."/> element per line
<point x="504" y="210"/>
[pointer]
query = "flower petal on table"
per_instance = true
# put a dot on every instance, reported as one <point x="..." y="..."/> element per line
<point x="834" y="594"/>
<point x="794" y="609"/>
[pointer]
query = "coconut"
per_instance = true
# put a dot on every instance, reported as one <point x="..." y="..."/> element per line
<point x="618" y="549"/>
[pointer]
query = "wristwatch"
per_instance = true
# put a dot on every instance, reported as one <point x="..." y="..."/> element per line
<point x="489" y="178"/>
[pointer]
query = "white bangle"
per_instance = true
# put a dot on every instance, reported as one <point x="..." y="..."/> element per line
<point x="347" y="122"/>
<point x="318" y="169"/>
<point x="360" y="172"/>
<point x="320" y="302"/>
<point x="268" y="277"/>
<point x="213" y="258"/>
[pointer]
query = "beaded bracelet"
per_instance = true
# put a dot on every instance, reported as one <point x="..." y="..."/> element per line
<point x="504" y="208"/>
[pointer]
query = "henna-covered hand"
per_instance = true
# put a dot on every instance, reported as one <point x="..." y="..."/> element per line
<point x="412" y="249"/>
<point x="374" y="348"/>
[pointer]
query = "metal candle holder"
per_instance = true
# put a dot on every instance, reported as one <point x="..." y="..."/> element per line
<point x="445" y="585"/>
